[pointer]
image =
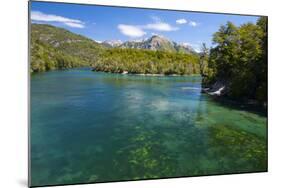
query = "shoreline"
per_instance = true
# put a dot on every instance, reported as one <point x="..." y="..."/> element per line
<point x="121" y="73"/>
<point x="148" y="74"/>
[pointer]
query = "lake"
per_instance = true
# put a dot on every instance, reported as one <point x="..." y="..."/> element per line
<point x="95" y="127"/>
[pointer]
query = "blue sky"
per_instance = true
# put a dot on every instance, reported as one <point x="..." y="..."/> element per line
<point x="117" y="23"/>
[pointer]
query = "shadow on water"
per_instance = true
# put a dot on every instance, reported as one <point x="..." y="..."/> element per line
<point x="242" y="106"/>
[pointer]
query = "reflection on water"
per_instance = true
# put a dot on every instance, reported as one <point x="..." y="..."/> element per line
<point x="96" y="127"/>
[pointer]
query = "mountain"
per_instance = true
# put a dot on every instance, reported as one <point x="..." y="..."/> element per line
<point x="112" y="43"/>
<point x="157" y="42"/>
<point x="57" y="48"/>
<point x="185" y="48"/>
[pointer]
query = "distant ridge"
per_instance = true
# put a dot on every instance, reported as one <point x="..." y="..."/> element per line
<point x="157" y="42"/>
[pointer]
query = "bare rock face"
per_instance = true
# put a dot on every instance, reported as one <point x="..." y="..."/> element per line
<point x="112" y="43"/>
<point x="157" y="42"/>
<point x="219" y="88"/>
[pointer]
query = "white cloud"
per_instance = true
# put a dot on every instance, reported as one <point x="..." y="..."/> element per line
<point x="193" y="24"/>
<point x="189" y="22"/>
<point x="131" y="30"/>
<point x="40" y="16"/>
<point x="71" y="24"/>
<point x="160" y="26"/>
<point x="181" y="21"/>
<point x="139" y="30"/>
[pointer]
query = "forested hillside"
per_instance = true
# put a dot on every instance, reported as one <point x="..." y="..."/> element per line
<point x="57" y="48"/>
<point x="238" y="62"/>
<point x="147" y="62"/>
<point x="44" y="57"/>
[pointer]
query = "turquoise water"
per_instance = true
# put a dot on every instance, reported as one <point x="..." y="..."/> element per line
<point x="95" y="127"/>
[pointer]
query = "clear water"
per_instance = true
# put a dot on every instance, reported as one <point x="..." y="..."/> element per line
<point x="96" y="127"/>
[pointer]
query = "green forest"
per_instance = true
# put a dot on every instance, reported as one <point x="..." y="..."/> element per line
<point x="239" y="60"/>
<point x="44" y="58"/>
<point x="142" y="61"/>
<point x="56" y="48"/>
